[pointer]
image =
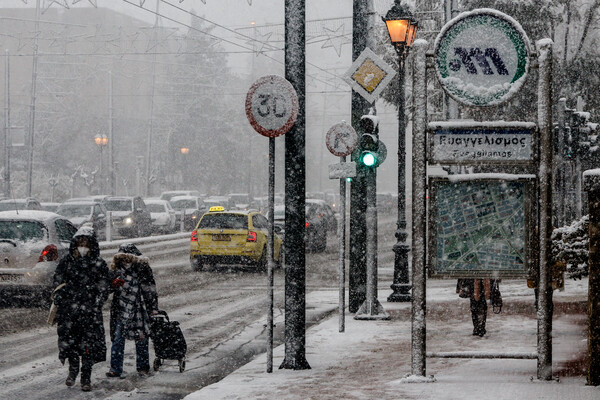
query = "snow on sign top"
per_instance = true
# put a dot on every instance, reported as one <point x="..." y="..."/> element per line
<point x="482" y="57"/>
<point x="341" y="139"/>
<point x="272" y="106"/>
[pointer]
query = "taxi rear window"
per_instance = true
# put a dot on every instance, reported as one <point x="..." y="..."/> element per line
<point x="224" y="221"/>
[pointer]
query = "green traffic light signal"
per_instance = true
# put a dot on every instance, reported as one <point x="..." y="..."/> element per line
<point x="368" y="158"/>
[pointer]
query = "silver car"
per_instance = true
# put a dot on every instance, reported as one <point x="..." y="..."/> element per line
<point x="31" y="243"/>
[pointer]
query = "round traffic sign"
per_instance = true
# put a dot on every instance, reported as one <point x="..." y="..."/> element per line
<point x="341" y="139"/>
<point x="272" y="106"/>
<point x="482" y="57"/>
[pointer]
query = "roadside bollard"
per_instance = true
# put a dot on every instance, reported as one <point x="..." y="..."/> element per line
<point x="591" y="181"/>
<point x="182" y="222"/>
<point x="109" y="226"/>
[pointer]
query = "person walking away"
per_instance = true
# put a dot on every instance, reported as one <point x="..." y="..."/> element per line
<point x="479" y="291"/>
<point x="79" y="301"/>
<point x="134" y="301"/>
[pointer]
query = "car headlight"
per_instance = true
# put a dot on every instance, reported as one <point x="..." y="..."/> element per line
<point x="128" y="221"/>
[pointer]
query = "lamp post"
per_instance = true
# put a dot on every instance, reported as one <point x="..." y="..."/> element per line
<point x="101" y="141"/>
<point x="402" y="29"/>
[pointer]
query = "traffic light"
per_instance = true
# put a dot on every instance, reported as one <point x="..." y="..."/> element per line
<point x="372" y="150"/>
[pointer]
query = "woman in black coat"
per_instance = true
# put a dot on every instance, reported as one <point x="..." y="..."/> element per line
<point x="80" y="326"/>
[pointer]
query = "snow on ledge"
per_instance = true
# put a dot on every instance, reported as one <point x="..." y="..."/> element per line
<point x="415" y="379"/>
<point x="469" y="123"/>
<point x="592" y="172"/>
<point x="476" y="177"/>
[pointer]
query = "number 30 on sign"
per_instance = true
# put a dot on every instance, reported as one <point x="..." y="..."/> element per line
<point x="272" y="106"/>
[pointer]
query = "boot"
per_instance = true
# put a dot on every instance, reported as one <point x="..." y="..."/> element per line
<point x="86" y="384"/>
<point x="71" y="379"/>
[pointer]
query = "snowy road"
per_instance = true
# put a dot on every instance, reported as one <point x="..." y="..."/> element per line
<point x="221" y="312"/>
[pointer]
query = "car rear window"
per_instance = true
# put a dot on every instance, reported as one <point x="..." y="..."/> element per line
<point x="156" y="208"/>
<point x="181" y="204"/>
<point x="224" y="221"/>
<point x="118" y="205"/>
<point x="74" y="210"/>
<point x="24" y="231"/>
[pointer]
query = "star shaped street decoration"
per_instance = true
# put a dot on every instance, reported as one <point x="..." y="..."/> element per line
<point x="48" y="3"/>
<point x="336" y="39"/>
<point x="92" y="2"/>
<point x="259" y="42"/>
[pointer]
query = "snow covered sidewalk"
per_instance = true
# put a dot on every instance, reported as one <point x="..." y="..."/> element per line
<point x="370" y="359"/>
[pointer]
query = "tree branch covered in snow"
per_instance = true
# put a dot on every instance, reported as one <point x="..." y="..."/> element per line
<point x="570" y="244"/>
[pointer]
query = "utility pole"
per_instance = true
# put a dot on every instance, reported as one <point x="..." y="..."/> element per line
<point x="362" y="24"/>
<point x="32" y="103"/>
<point x="7" y="143"/>
<point x="295" y="191"/>
<point x="111" y="142"/>
<point x="149" y="140"/>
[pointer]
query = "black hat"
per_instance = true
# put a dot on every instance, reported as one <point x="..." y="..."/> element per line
<point x="129" y="248"/>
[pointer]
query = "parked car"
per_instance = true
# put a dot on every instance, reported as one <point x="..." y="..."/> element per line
<point x="231" y="237"/>
<point x="191" y="208"/>
<point x="242" y="201"/>
<point x="130" y="217"/>
<point x="28" y="203"/>
<point x="31" y="243"/>
<point x="222" y="201"/>
<point x="172" y="193"/>
<point x="316" y="230"/>
<point x="47" y="206"/>
<point x="325" y="212"/>
<point x="162" y="214"/>
<point x="85" y="212"/>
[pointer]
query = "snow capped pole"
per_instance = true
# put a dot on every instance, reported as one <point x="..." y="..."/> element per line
<point x="419" y="178"/>
<point x="544" y="365"/>
<point x="591" y="180"/>
<point x="295" y="192"/>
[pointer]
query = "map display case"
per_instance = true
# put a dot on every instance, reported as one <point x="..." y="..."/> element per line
<point x="479" y="226"/>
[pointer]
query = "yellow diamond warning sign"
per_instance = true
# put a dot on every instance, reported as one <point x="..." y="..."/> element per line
<point x="369" y="75"/>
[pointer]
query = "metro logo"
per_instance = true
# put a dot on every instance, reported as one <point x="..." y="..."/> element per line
<point x="481" y="58"/>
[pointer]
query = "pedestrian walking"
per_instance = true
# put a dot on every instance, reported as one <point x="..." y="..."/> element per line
<point x="83" y="280"/>
<point x="134" y="302"/>
<point x="479" y="291"/>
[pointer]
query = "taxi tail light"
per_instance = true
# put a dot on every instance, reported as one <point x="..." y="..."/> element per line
<point x="194" y="236"/>
<point x="251" y="236"/>
<point x="50" y="253"/>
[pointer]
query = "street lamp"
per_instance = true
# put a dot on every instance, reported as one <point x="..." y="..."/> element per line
<point x="402" y="29"/>
<point x="184" y="150"/>
<point x="101" y="141"/>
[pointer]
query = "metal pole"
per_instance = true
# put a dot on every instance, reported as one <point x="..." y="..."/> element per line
<point x="419" y="178"/>
<point x="400" y="286"/>
<point x="342" y="262"/>
<point x="111" y="162"/>
<point x="560" y="166"/>
<point x="592" y="186"/>
<point x="357" y="272"/>
<point x="544" y="314"/>
<point x="101" y="168"/>
<point x="371" y="309"/>
<point x="295" y="191"/>
<point x="7" y="137"/>
<point x="149" y="140"/>
<point x="271" y="252"/>
<point x="32" y="104"/>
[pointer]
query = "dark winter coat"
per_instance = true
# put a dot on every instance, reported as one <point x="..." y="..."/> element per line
<point x="79" y="321"/>
<point x="146" y="298"/>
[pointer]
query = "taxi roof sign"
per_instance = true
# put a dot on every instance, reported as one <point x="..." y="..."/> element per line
<point x="216" y="209"/>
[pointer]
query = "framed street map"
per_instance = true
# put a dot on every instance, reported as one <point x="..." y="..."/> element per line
<point x="480" y="226"/>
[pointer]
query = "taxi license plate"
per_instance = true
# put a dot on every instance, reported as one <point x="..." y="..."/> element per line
<point x="10" y="278"/>
<point x="221" y="238"/>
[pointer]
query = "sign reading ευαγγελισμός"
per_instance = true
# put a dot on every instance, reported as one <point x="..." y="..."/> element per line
<point x="479" y="227"/>
<point x="482" y="57"/>
<point x="472" y="142"/>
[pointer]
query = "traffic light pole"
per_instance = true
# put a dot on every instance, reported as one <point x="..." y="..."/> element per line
<point x="371" y="309"/>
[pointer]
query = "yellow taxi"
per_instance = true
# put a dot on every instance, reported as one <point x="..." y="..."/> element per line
<point x="231" y="237"/>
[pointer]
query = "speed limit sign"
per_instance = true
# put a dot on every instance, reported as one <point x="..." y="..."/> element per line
<point x="272" y="106"/>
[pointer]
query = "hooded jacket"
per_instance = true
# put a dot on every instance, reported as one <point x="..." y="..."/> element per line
<point x="147" y="298"/>
<point x="80" y="326"/>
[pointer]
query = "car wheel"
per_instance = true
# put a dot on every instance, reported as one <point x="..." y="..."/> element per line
<point x="263" y="261"/>
<point x="196" y="264"/>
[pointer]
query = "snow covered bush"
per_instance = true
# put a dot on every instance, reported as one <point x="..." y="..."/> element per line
<point x="570" y="244"/>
